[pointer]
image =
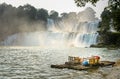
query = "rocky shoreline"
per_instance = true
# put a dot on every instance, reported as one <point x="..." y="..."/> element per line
<point x="111" y="47"/>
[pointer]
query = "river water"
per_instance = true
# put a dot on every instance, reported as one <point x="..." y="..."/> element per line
<point x="34" y="62"/>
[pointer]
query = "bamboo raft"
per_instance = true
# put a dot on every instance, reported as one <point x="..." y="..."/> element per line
<point x="79" y="66"/>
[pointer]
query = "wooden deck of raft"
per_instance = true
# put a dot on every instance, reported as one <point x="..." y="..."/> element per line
<point x="78" y="66"/>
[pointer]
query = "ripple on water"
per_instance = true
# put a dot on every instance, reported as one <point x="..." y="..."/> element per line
<point x="34" y="63"/>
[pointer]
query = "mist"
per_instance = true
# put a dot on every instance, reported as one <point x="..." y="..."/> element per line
<point x="28" y="26"/>
<point x="16" y="20"/>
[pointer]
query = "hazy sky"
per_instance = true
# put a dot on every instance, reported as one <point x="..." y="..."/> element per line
<point x="58" y="5"/>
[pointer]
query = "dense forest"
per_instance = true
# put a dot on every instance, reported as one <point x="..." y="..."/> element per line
<point x="22" y="19"/>
<point x="28" y="19"/>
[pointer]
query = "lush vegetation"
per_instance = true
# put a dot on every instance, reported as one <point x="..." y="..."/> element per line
<point x="110" y="18"/>
<point x="23" y="19"/>
<point x="27" y="18"/>
<point x="110" y="15"/>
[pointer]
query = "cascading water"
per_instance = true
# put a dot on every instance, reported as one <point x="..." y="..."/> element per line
<point x="70" y="31"/>
<point x="82" y="35"/>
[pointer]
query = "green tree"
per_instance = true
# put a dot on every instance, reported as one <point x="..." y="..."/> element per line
<point x="64" y="15"/>
<point x="53" y="15"/>
<point x="82" y="3"/>
<point x="115" y="13"/>
<point x="106" y="19"/>
<point x="112" y="12"/>
<point x="42" y="14"/>
<point x="29" y="11"/>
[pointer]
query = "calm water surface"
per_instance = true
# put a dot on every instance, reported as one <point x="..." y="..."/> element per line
<point x="34" y="62"/>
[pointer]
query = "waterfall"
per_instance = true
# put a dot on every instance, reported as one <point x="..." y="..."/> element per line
<point x="83" y="35"/>
<point x="66" y="32"/>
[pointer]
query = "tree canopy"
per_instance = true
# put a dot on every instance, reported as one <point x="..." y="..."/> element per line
<point x="110" y="15"/>
<point x="82" y="3"/>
